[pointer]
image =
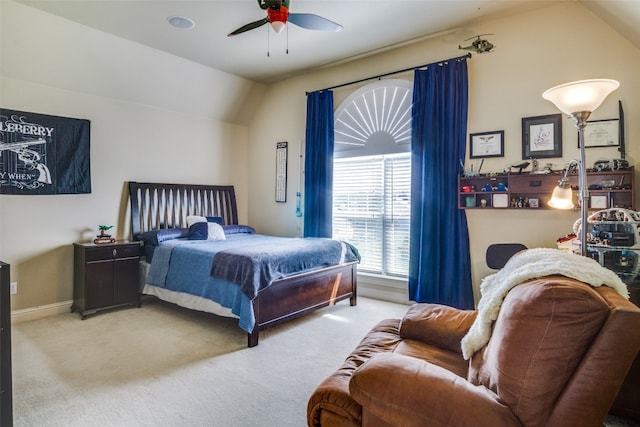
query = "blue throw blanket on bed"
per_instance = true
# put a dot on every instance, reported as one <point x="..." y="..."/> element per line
<point x="250" y="261"/>
<point x="255" y="267"/>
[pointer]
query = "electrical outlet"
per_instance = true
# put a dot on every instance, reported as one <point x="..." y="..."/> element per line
<point x="14" y="287"/>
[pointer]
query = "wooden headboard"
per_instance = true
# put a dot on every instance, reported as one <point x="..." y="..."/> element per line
<point x="155" y="206"/>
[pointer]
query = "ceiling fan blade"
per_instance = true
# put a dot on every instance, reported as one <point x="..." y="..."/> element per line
<point x="250" y="26"/>
<point x="314" y="22"/>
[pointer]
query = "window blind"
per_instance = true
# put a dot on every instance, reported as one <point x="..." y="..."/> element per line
<point x="371" y="207"/>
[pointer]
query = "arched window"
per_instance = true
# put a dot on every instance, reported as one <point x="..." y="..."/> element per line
<point x="372" y="175"/>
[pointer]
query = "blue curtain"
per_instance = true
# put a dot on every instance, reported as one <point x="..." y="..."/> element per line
<point x="439" y="261"/>
<point x="318" y="165"/>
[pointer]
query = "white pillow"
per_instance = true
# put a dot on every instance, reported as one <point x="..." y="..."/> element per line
<point x="192" y="219"/>
<point x="216" y="232"/>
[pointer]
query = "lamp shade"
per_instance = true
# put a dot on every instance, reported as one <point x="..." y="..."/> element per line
<point x="583" y="95"/>
<point x="562" y="197"/>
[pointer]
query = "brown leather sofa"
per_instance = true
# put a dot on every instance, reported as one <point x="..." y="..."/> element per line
<point x="558" y="354"/>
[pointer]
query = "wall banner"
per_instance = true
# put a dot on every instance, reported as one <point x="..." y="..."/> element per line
<point x="41" y="154"/>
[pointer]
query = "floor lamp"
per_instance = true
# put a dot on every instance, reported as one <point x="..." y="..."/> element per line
<point x="578" y="99"/>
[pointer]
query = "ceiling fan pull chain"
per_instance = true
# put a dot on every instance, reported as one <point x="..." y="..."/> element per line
<point x="268" y="44"/>
<point x="287" y="38"/>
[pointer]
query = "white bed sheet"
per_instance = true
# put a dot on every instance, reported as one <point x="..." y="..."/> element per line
<point x="192" y="302"/>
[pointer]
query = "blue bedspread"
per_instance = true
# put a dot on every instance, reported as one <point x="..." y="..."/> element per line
<point x="255" y="267"/>
<point x="186" y="266"/>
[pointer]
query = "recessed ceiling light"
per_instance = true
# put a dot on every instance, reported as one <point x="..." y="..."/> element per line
<point x="181" y="22"/>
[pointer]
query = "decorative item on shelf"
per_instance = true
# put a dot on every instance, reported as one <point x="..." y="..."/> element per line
<point x="103" y="237"/>
<point x="501" y="200"/>
<point x="521" y="166"/>
<point x="470" y="172"/>
<point x="579" y="99"/>
<point x="470" y="202"/>
<point x="610" y="165"/>
<point x="521" y="202"/>
<point x="613" y="240"/>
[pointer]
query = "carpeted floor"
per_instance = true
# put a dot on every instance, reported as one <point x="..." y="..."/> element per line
<point x="162" y="365"/>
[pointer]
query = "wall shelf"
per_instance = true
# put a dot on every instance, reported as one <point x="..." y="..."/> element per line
<point x="608" y="189"/>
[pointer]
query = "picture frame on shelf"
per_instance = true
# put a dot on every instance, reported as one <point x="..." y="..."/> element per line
<point x="598" y="202"/>
<point x="602" y="133"/>
<point x="486" y="144"/>
<point x="542" y="136"/>
<point x="500" y="200"/>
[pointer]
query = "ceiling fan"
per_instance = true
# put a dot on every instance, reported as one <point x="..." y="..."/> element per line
<point x="278" y="15"/>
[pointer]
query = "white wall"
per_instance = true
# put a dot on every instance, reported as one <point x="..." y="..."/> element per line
<point x="534" y="51"/>
<point x="154" y="117"/>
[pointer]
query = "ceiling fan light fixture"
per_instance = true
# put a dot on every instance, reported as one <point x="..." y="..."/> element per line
<point x="181" y="22"/>
<point x="278" y="26"/>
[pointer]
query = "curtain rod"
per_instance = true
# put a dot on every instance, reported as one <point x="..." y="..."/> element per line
<point x="379" y="76"/>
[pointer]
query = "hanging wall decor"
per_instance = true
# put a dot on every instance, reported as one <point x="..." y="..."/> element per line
<point x="42" y="154"/>
<point x="542" y="136"/>
<point x="281" y="171"/>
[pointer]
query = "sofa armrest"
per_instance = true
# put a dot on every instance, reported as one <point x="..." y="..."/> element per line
<point x="403" y="390"/>
<point x="438" y="325"/>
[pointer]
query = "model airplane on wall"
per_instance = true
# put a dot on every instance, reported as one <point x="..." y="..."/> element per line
<point x="479" y="45"/>
<point x="278" y="15"/>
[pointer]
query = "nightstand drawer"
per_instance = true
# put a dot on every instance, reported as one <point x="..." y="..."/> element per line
<point x="112" y="252"/>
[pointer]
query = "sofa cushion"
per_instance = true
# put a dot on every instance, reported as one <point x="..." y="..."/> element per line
<point x="332" y="395"/>
<point x="438" y="325"/>
<point x="544" y="328"/>
<point x="450" y="360"/>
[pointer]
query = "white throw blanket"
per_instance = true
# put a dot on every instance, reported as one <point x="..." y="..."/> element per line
<point x="526" y="265"/>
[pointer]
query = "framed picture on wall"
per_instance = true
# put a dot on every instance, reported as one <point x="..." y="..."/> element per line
<point x="542" y="136"/>
<point x="486" y="144"/>
<point x="602" y="133"/>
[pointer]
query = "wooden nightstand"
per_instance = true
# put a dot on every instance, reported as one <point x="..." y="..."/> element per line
<point x="105" y="276"/>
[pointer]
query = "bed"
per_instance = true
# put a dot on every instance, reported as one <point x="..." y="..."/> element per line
<point x="162" y="209"/>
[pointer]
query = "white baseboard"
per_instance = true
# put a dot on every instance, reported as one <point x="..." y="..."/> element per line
<point x="384" y="293"/>
<point x="39" y="312"/>
<point x="368" y="290"/>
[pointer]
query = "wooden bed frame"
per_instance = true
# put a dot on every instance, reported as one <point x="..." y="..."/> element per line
<point x="157" y="206"/>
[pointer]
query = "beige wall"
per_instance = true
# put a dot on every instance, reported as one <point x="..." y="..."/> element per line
<point x="534" y="51"/>
<point x="149" y="122"/>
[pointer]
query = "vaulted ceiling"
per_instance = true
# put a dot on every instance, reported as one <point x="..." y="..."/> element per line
<point x="261" y="55"/>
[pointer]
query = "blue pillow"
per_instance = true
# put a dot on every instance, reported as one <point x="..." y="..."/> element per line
<point x="199" y="231"/>
<point x="155" y="237"/>
<point x="237" y="229"/>
<point x="216" y="219"/>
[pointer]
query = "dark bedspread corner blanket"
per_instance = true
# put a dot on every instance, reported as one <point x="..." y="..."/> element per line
<point x="255" y="267"/>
